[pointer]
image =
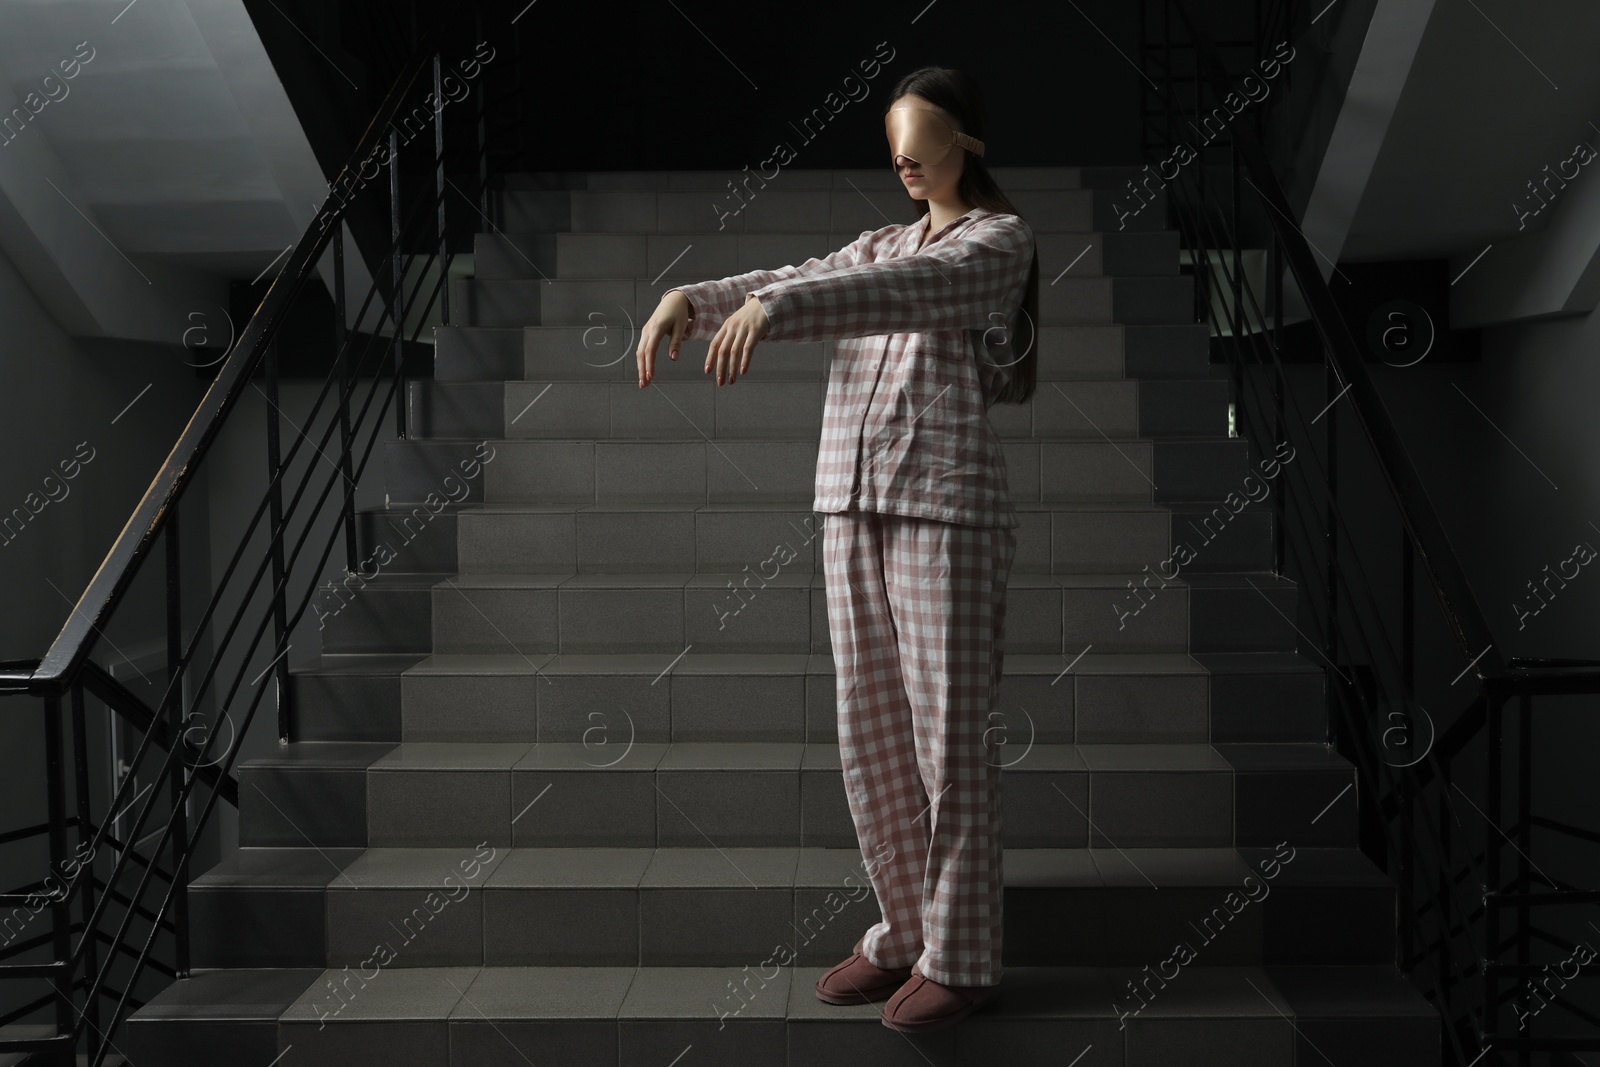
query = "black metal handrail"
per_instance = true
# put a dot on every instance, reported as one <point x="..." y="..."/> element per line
<point x="1434" y="820"/>
<point x="107" y="916"/>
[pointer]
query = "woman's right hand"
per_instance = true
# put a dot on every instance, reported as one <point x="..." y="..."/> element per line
<point x="670" y="320"/>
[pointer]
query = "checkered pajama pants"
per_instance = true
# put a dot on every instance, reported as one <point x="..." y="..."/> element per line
<point x="916" y="611"/>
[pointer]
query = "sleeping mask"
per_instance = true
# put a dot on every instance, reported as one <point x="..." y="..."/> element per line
<point x="922" y="135"/>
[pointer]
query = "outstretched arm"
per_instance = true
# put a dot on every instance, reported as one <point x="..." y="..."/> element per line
<point x="713" y="301"/>
<point x="959" y="283"/>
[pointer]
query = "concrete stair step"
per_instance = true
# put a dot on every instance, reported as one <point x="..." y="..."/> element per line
<point x="713" y="254"/>
<point x="603" y="350"/>
<point x="1138" y="540"/>
<point x="785" y="207"/>
<point x="709" y="907"/>
<point x="1066" y="301"/>
<point x="777" y="409"/>
<point x="581" y="471"/>
<point x="612" y="791"/>
<point x="751" y="611"/>
<point x="1095" y="698"/>
<point x="764" y="1012"/>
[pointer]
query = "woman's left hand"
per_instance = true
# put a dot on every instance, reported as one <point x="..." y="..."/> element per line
<point x="735" y="340"/>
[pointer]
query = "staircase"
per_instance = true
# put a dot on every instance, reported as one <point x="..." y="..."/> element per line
<point x="565" y="784"/>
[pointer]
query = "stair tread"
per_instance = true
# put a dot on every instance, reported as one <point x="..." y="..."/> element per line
<point x="810" y="441"/>
<point x="626" y="377"/>
<point x="687" y="236"/>
<point x="656" y="579"/>
<point x="786" y="663"/>
<point x="797" y="504"/>
<point x="1097" y="758"/>
<point x="768" y="867"/>
<point x="710" y="232"/>
<point x="469" y="993"/>
<point x="1198" y="327"/>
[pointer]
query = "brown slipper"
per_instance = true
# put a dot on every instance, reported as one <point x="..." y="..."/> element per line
<point x="858" y="981"/>
<point x="924" y="1004"/>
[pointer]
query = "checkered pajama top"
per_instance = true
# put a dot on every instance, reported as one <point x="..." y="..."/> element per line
<point x="905" y="426"/>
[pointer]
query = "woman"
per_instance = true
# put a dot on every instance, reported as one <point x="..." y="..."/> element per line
<point x="919" y="532"/>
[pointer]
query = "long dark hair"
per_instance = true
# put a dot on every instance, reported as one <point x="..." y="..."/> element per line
<point x="958" y="94"/>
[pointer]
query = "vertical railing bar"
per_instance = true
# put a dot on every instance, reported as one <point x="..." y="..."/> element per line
<point x="1524" y="833"/>
<point x="482" y="123"/>
<point x="60" y="908"/>
<point x="1237" y="233"/>
<point x="275" y="504"/>
<point x="397" y="267"/>
<point x="1495" y="708"/>
<point x="175" y="712"/>
<point x="1145" y="94"/>
<point x="80" y="755"/>
<point x="1202" y="263"/>
<point x="1330" y="521"/>
<point x="1236" y="316"/>
<point x="1408" y="620"/>
<point x="1408" y="675"/>
<point x="1279" y="425"/>
<point x="1444" y="899"/>
<point x="1408" y="891"/>
<point x="346" y="390"/>
<point x="438" y="151"/>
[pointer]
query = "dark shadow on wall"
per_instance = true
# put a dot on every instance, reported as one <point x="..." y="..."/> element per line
<point x="720" y="85"/>
<point x="1499" y="425"/>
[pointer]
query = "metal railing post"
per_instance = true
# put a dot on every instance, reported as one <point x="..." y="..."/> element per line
<point x="80" y="744"/>
<point x="481" y="124"/>
<point x="438" y="151"/>
<point x="1330" y="519"/>
<point x="1279" y="423"/>
<point x="346" y="388"/>
<point x="61" y="976"/>
<point x="1524" y="837"/>
<point x="1495" y="704"/>
<point x="397" y="278"/>
<point x="175" y="712"/>
<point x="275" y="514"/>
